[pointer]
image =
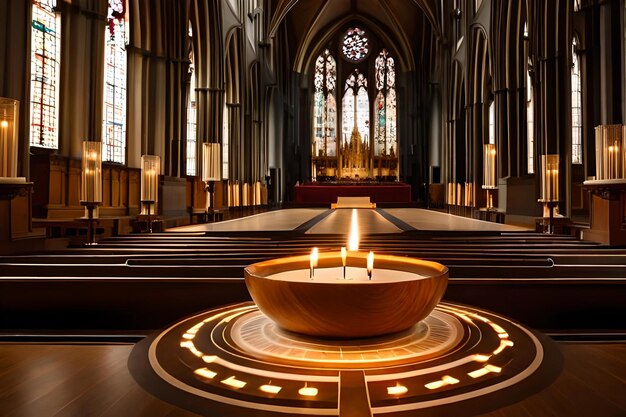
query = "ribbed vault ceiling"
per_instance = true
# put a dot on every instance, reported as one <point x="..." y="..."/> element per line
<point x="403" y="22"/>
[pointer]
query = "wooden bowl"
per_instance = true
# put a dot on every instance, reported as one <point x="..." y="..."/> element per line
<point x="339" y="308"/>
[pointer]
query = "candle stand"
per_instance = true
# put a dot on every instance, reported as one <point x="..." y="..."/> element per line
<point x="148" y="204"/>
<point x="91" y="221"/>
<point x="211" y="172"/>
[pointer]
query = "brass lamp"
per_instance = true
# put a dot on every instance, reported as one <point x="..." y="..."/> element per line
<point x="550" y="185"/>
<point x="9" y="109"/>
<point x="489" y="172"/>
<point x="211" y="171"/>
<point x="150" y="170"/>
<point x="91" y="183"/>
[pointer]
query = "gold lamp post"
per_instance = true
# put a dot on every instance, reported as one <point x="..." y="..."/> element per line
<point x="550" y="185"/>
<point x="211" y="172"/>
<point x="150" y="170"/>
<point x="489" y="172"/>
<point x="91" y="183"/>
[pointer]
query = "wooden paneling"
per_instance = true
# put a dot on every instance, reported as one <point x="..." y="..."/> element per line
<point x="60" y="197"/>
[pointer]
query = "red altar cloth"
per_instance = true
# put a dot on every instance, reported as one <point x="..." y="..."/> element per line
<point x="321" y="193"/>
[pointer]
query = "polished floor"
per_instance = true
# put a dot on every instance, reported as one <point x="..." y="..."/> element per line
<point x="278" y="220"/>
<point x="338" y="221"/>
<point x="93" y="380"/>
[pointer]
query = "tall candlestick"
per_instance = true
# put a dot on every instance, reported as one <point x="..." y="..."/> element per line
<point x="92" y="172"/>
<point x="313" y="261"/>
<point x="370" y="264"/>
<point x="344" y="256"/>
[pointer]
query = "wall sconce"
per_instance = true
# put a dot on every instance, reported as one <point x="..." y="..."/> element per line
<point x="9" y="112"/>
<point x="550" y="185"/>
<point x="91" y="183"/>
<point x="211" y="171"/>
<point x="489" y="172"/>
<point x="150" y="170"/>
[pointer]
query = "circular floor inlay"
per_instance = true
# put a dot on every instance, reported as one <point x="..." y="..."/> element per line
<point x="235" y="361"/>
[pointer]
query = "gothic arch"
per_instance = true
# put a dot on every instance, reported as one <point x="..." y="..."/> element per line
<point x="309" y="50"/>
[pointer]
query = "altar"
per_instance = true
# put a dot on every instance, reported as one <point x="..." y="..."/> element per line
<point x="327" y="193"/>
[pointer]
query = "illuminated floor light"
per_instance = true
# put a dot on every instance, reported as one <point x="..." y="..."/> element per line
<point x="209" y="358"/>
<point x="445" y="380"/>
<point x="270" y="389"/>
<point x="308" y="391"/>
<point x="503" y="345"/>
<point x="192" y="348"/>
<point x="497" y="328"/>
<point x="189" y="336"/>
<point x="484" y="371"/>
<point x="481" y="318"/>
<point x="193" y="330"/>
<point x="205" y="372"/>
<point x="481" y="358"/>
<point x="234" y="382"/>
<point x="397" y="390"/>
<point x="503" y="335"/>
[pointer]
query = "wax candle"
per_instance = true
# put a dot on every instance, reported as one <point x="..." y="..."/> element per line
<point x="344" y="256"/>
<point x="313" y="261"/>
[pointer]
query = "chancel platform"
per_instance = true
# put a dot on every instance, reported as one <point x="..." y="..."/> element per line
<point x="235" y="361"/>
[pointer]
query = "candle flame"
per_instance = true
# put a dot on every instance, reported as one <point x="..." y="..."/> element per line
<point x="314" y="257"/>
<point x="370" y="264"/>
<point x="4" y="124"/>
<point x="344" y="255"/>
<point x="353" y="241"/>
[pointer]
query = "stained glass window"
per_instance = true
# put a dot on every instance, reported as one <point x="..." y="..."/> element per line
<point x="576" y="5"/>
<point x="325" y="106"/>
<point x="355" y="108"/>
<point x="44" y="83"/>
<point x="577" y="116"/>
<point x="385" y="106"/>
<point x="225" y="141"/>
<point x="115" y="68"/>
<point x="530" y="124"/>
<point x="191" y="121"/>
<point x="355" y="44"/>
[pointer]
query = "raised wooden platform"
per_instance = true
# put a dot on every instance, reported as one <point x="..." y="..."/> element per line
<point x="327" y="192"/>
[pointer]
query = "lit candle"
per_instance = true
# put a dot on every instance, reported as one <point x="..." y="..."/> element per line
<point x="314" y="255"/>
<point x="370" y="264"/>
<point x="353" y="241"/>
<point x="344" y="256"/>
<point x="4" y="149"/>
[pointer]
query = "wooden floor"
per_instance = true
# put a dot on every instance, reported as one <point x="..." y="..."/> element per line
<point x="93" y="380"/>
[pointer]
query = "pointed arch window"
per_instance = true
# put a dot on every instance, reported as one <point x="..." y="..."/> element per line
<point x="355" y="108"/>
<point x="385" y="106"/>
<point x="192" y="158"/>
<point x="530" y="122"/>
<point x="44" y="82"/>
<point x="115" y="74"/>
<point x="325" y="106"/>
<point x="577" y="5"/>
<point x="225" y="141"/>
<point x="492" y="122"/>
<point x="577" y="122"/>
